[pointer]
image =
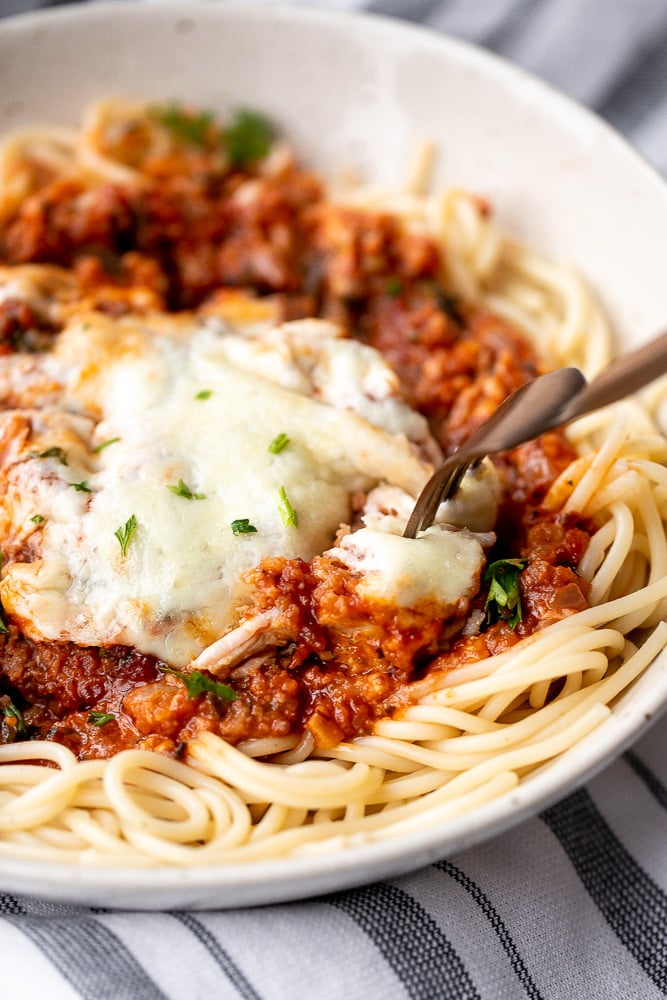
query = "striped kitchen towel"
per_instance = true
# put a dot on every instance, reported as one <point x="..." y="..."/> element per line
<point x="570" y="904"/>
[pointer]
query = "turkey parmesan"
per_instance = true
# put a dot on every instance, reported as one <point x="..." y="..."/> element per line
<point x="144" y="486"/>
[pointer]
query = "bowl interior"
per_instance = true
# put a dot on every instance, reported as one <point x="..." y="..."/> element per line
<point x="363" y="92"/>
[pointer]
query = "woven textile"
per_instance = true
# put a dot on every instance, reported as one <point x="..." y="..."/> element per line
<point x="572" y="903"/>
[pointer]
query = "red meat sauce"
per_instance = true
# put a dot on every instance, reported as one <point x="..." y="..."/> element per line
<point x="179" y="238"/>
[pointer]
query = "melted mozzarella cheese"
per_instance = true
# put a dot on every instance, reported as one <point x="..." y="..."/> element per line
<point x="177" y="586"/>
<point x="441" y="566"/>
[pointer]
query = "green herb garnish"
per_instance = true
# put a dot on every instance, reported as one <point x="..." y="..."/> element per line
<point x="287" y="512"/>
<point x="82" y="487"/>
<point x="55" y="452"/>
<point x="190" y="128"/>
<point x="503" y="601"/>
<point x="279" y="443"/>
<point x="10" y="711"/>
<point x="124" y="534"/>
<point x="204" y="394"/>
<point x="100" y="718"/>
<point x="197" y="683"/>
<point x="36" y="518"/>
<point x="248" y="138"/>
<point x="394" y="287"/>
<point x="181" y="490"/>
<point x="242" y="526"/>
<point x="104" y="444"/>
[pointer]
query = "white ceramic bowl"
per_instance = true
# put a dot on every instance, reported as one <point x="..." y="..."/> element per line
<point x="365" y="91"/>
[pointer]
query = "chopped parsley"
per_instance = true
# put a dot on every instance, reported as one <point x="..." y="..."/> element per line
<point x="192" y="129"/>
<point x="55" y="452"/>
<point x="242" y="526"/>
<point x="503" y="602"/>
<point x="37" y="518"/>
<point x="248" y="138"/>
<point x="181" y="490"/>
<point x="10" y="711"/>
<point x="124" y="534"/>
<point x="287" y="512"/>
<point x="197" y="683"/>
<point x="104" y="444"/>
<point x="82" y="487"/>
<point x="279" y="443"/>
<point x="394" y="287"/>
<point x="204" y="394"/>
<point x="100" y="718"/>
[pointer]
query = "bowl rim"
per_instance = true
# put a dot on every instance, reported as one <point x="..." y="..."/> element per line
<point x="284" y="879"/>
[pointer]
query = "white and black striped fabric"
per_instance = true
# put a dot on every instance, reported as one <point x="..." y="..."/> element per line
<point x="571" y="904"/>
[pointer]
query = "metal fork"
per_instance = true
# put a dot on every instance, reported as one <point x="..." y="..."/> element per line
<point x="544" y="403"/>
